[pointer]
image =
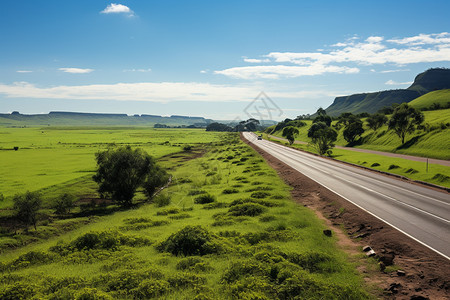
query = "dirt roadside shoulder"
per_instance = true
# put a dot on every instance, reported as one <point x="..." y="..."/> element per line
<point x="425" y="273"/>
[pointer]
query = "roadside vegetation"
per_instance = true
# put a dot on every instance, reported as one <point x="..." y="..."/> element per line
<point x="226" y="227"/>
<point x="419" y="129"/>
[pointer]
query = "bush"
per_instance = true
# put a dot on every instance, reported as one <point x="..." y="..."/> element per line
<point x="391" y="167"/>
<point x="247" y="209"/>
<point x="162" y="200"/>
<point x="375" y="165"/>
<point x="312" y="261"/>
<point x="230" y="191"/>
<point x="191" y="240"/>
<point x="129" y="280"/>
<point x="168" y="211"/>
<point x="92" y="294"/>
<point x="259" y="195"/>
<point x="196" y="192"/>
<point x="186" y="280"/>
<point x="18" y="290"/>
<point x="204" y="199"/>
<point x="150" y="288"/>
<point x="194" y="264"/>
<point x="187" y="148"/>
<point x="64" y="204"/>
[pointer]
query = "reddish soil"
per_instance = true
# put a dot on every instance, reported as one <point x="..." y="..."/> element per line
<point x="423" y="274"/>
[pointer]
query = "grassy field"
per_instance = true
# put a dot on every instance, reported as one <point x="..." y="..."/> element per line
<point x="441" y="97"/>
<point x="231" y="230"/>
<point x="54" y="155"/>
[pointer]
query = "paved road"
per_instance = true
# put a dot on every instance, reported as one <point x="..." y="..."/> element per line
<point x="404" y="156"/>
<point x="419" y="212"/>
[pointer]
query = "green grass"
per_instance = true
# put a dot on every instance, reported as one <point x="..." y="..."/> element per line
<point x="441" y="97"/>
<point x="51" y="156"/>
<point x="278" y="251"/>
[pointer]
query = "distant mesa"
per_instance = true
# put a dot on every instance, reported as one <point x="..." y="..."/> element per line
<point x="67" y="118"/>
<point x="430" y="80"/>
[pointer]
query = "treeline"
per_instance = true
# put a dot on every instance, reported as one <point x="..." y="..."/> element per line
<point x="247" y="125"/>
<point x="403" y="120"/>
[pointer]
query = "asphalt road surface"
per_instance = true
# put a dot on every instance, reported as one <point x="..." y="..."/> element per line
<point x="419" y="212"/>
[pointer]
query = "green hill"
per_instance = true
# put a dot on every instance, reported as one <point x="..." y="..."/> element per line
<point x="430" y="80"/>
<point x="432" y="100"/>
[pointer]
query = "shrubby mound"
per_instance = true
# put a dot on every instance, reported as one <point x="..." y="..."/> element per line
<point x="104" y="240"/>
<point x="247" y="209"/>
<point x="204" y="199"/>
<point x="191" y="240"/>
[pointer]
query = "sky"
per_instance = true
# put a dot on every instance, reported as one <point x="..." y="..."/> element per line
<point x="223" y="60"/>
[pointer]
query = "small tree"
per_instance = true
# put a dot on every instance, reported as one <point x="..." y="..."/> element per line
<point x="64" y="204"/>
<point x="120" y="172"/>
<point x="2" y="198"/>
<point x="27" y="207"/>
<point x="289" y="133"/>
<point x="156" y="178"/>
<point x="404" y="120"/>
<point x="322" y="117"/>
<point x="376" y="121"/>
<point x="323" y="137"/>
<point x="353" y="130"/>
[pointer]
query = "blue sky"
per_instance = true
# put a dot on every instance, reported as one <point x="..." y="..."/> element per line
<point x="211" y="58"/>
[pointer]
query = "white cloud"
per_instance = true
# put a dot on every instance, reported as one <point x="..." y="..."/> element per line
<point x="392" y="82"/>
<point x="24" y="71"/>
<point x="163" y="92"/>
<point x="204" y="71"/>
<point x="256" y="61"/>
<point x="374" y="39"/>
<point x="114" y="8"/>
<point x="138" y="70"/>
<point x="422" y="39"/>
<point x="76" y="70"/>
<point x="375" y="50"/>
<point x="275" y="72"/>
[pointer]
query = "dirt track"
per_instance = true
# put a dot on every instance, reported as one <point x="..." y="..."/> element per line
<point x="426" y="274"/>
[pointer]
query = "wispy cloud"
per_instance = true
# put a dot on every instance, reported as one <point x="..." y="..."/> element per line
<point x="275" y="72"/>
<point x="114" y="8"/>
<point x="256" y="60"/>
<point x="138" y="70"/>
<point x="76" y="70"/>
<point x="348" y="57"/>
<point x="24" y="71"/>
<point x="155" y="92"/>
<point x="392" y="82"/>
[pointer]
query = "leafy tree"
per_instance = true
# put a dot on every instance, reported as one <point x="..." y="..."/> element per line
<point x="120" y="172"/>
<point x="323" y="137"/>
<point x="404" y="120"/>
<point x="64" y="204"/>
<point x="376" y="121"/>
<point x="290" y="132"/>
<point x="156" y="177"/>
<point x="353" y="130"/>
<point x="27" y="206"/>
<point x="322" y="117"/>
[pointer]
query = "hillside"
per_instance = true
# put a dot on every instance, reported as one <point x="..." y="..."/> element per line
<point x="430" y="80"/>
<point x="86" y="119"/>
<point x="437" y="98"/>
